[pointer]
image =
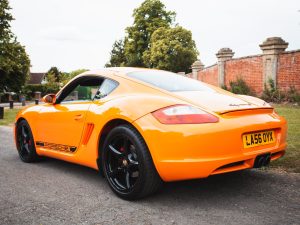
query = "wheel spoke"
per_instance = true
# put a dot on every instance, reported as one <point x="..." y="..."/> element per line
<point x="24" y="133"/>
<point x="20" y="139"/>
<point x="26" y="147"/>
<point x="122" y="163"/>
<point x="115" y="151"/>
<point x="132" y="160"/>
<point x="115" y="172"/>
<point x="128" y="180"/>
<point x="133" y="167"/>
<point x="120" y="186"/>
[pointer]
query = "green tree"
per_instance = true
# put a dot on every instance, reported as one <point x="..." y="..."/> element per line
<point x="56" y="72"/>
<point x="152" y="41"/>
<point x="14" y="62"/>
<point x="14" y="67"/>
<point x="74" y="73"/>
<point x="66" y="77"/>
<point x="171" y="49"/>
<point x="150" y="16"/>
<point x="52" y="83"/>
<point x="117" y="55"/>
<point x="5" y="19"/>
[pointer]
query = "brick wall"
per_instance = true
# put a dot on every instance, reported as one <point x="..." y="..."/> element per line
<point x="288" y="71"/>
<point x="209" y="75"/>
<point x="250" y="69"/>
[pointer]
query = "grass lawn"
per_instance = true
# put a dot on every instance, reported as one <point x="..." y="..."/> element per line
<point x="291" y="160"/>
<point x="9" y="116"/>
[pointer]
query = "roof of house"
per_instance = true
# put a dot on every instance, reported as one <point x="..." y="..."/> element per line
<point x="36" y="78"/>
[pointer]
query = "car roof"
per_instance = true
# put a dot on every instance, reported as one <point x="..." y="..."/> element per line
<point x="110" y="71"/>
<point x="126" y="70"/>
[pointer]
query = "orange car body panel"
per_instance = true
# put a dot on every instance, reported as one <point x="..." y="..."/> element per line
<point x="178" y="151"/>
<point x="194" y="151"/>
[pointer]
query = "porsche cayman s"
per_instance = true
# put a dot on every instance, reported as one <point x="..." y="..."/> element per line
<point x="142" y="127"/>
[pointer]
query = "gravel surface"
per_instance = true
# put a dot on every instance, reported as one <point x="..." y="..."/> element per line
<point x="56" y="192"/>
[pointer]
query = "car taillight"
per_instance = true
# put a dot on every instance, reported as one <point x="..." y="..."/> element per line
<point x="183" y="114"/>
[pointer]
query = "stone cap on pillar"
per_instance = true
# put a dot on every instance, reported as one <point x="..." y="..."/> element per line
<point x="273" y="45"/>
<point x="197" y="65"/>
<point x="37" y="94"/>
<point x="224" y="54"/>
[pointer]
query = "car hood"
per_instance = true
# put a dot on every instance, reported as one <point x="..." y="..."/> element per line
<point x="218" y="102"/>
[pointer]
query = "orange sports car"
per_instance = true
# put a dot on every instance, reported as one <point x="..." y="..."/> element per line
<point x="140" y="127"/>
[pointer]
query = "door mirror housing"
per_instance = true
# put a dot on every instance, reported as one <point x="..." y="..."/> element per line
<point x="50" y="98"/>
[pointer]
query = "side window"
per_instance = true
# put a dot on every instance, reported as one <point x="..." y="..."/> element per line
<point x="84" y="90"/>
<point x="106" y="87"/>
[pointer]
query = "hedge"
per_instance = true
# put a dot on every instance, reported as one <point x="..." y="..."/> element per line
<point x="30" y="89"/>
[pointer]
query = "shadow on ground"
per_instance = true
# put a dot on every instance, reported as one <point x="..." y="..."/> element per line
<point x="227" y="186"/>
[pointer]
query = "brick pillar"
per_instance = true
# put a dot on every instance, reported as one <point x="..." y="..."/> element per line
<point x="10" y="96"/>
<point x="196" y="67"/>
<point x="271" y="48"/>
<point x="223" y="55"/>
<point x="37" y="95"/>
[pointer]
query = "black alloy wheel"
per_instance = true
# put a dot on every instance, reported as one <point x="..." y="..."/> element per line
<point x="122" y="163"/>
<point x="25" y="142"/>
<point x="127" y="164"/>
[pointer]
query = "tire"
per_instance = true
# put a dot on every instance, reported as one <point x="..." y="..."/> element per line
<point x="25" y="143"/>
<point x="127" y="164"/>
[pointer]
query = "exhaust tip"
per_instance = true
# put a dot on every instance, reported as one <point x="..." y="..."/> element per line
<point x="262" y="160"/>
<point x="267" y="160"/>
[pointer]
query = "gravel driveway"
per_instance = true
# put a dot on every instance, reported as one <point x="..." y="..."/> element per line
<point x="56" y="192"/>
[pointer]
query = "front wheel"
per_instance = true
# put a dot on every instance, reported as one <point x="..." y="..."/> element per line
<point x="127" y="164"/>
<point x="25" y="142"/>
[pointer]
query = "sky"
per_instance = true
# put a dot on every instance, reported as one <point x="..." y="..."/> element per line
<point x="74" y="34"/>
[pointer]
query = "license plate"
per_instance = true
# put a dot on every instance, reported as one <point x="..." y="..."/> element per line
<point x="258" y="139"/>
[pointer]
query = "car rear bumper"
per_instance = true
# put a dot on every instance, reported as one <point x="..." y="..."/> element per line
<point x="171" y="170"/>
<point x="192" y="151"/>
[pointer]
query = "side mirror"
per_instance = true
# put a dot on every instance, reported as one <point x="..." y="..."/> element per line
<point x="50" y="98"/>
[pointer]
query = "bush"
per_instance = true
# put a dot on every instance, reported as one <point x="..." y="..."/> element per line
<point x="240" y="87"/>
<point x="293" y="95"/>
<point x="272" y="94"/>
<point x="225" y="87"/>
<point x="30" y="89"/>
<point x="5" y="97"/>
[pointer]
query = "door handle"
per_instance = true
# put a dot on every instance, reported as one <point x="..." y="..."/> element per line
<point x="78" y="117"/>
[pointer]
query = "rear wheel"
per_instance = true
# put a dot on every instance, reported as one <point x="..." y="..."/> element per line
<point x="25" y="143"/>
<point x="127" y="164"/>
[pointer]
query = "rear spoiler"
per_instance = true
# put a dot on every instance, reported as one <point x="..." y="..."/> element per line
<point x="240" y="112"/>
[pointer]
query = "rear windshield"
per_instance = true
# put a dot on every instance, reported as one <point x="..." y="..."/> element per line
<point x="169" y="81"/>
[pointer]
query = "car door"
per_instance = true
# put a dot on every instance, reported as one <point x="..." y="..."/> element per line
<point x="60" y="125"/>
